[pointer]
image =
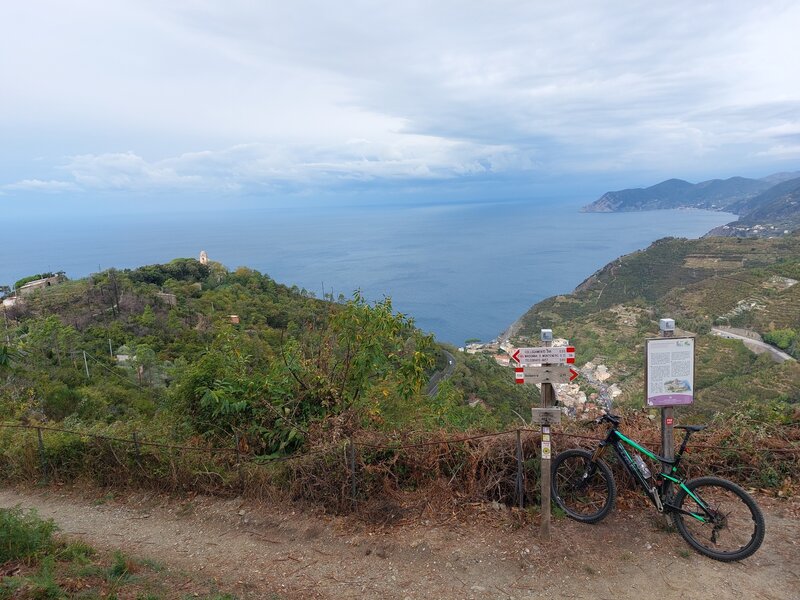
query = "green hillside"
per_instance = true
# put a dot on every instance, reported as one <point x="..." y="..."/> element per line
<point x="702" y="283"/>
<point x="185" y="349"/>
<point x="185" y="376"/>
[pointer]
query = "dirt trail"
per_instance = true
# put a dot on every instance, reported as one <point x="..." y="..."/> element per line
<point x="274" y="551"/>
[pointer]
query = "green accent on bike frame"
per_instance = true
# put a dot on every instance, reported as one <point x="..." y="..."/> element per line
<point x="700" y="503"/>
<point x="627" y="440"/>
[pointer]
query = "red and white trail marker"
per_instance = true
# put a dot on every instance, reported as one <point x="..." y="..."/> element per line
<point x="545" y="374"/>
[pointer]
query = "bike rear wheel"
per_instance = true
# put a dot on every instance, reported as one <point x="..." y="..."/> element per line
<point x="581" y="487"/>
<point x="724" y="523"/>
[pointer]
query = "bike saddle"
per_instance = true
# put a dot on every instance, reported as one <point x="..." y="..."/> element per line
<point x="691" y="427"/>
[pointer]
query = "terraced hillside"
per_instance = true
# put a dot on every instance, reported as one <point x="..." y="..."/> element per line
<point x="748" y="283"/>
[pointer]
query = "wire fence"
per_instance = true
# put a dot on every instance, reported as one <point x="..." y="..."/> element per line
<point x="513" y="473"/>
<point x="138" y="441"/>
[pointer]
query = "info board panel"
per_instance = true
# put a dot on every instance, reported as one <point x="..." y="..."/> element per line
<point x="669" y="372"/>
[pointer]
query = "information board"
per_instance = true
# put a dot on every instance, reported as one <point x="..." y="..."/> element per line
<point x="669" y="373"/>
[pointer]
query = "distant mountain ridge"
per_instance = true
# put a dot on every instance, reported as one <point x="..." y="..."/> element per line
<point x="774" y="212"/>
<point x="766" y="206"/>
<point x="715" y="194"/>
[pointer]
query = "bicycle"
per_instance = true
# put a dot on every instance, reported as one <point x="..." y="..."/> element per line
<point x="715" y="516"/>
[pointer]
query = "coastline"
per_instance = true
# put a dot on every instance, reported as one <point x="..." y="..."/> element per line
<point x="509" y="332"/>
<point x="462" y="271"/>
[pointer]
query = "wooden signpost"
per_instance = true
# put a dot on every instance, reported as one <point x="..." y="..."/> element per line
<point x="548" y="395"/>
<point x="545" y="365"/>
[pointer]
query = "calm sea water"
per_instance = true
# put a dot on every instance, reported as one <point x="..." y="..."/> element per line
<point x="461" y="270"/>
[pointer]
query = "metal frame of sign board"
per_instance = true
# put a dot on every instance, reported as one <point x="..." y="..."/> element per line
<point x="671" y="399"/>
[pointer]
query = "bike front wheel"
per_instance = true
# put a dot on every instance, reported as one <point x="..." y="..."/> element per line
<point x="581" y="487"/>
<point x="720" y="519"/>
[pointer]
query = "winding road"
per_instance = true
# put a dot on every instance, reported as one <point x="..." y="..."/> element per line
<point x="443" y="375"/>
<point x="756" y="346"/>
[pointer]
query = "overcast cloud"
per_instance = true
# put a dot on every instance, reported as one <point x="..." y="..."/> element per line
<point x="241" y="95"/>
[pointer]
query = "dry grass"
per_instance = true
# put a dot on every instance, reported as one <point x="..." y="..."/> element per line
<point x="393" y="472"/>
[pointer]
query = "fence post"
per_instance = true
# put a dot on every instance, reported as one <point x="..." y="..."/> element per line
<point x="42" y="457"/>
<point x="520" y="486"/>
<point x="136" y="448"/>
<point x="352" y="457"/>
<point x="239" y="460"/>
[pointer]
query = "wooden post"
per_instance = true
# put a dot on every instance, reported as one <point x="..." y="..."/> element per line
<point x="667" y="416"/>
<point x="352" y="457"/>
<point x="547" y="397"/>
<point x="42" y="457"/>
<point x="520" y="481"/>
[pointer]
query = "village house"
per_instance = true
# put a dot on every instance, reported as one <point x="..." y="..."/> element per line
<point x="38" y="284"/>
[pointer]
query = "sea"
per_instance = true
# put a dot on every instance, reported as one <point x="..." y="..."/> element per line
<point x="461" y="270"/>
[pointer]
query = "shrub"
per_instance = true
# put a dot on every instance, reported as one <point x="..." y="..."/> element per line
<point x="60" y="402"/>
<point x="24" y="535"/>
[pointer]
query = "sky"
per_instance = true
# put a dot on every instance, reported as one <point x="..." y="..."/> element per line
<point x="261" y="99"/>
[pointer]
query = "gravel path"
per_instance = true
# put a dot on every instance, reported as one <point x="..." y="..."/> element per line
<point x="277" y="551"/>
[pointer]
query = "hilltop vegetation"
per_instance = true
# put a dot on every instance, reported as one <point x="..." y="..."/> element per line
<point x="275" y="399"/>
<point x="186" y="349"/>
<point x="701" y="284"/>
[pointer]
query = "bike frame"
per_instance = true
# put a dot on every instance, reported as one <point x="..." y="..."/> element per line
<point x="658" y="494"/>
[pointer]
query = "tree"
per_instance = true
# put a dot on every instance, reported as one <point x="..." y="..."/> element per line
<point x="144" y="361"/>
<point x="346" y="370"/>
<point x="51" y="338"/>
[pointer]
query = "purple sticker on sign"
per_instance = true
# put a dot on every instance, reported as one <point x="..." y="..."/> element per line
<point x="669" y="400"/>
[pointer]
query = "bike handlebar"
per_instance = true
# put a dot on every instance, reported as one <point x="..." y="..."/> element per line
<point x="608" y="418"/>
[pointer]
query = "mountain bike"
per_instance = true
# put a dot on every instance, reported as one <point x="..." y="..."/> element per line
<point x="715" y="516"/>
